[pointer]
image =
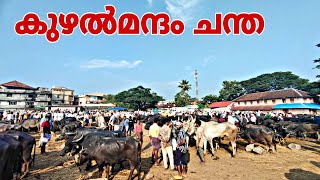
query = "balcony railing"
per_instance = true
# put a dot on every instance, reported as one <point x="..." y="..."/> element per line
<point x="14" y="106"/>
<point x="13" y="98"/>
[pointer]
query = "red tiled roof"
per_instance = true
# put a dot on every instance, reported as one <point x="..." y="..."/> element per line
<point x="278" y="94"/>
<point x="220" y="104"/>
<point x="16" y="84"/>
<point x="252" y="108"/>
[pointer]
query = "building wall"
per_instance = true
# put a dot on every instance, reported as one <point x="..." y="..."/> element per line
<point x="11" y="99"/>
<point x="274" y="101"/>
<point x="85" y="100"/>
<point x="62" y="96"/>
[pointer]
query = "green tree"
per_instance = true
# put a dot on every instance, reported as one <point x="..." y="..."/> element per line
<point x="231" y="90"/>
<point x="182" y="99"/>
<point x="317" y="61"/>
<point x="184" y="86"/>
<point x="210" y="99"/>
<point x="274" y="81"/>
<point x="137" y="98"/>
<point x="109" y="99"/>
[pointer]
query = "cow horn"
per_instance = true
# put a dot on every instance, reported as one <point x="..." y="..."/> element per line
<point x="77" y="140"/>
<point x="70" y="133"/>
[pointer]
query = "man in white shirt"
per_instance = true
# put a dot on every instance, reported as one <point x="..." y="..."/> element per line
<point x="253" y="118"/>
<point x="231" y="119"/>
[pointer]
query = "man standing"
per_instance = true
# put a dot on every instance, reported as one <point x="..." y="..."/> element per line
<point x="180" y="155"/>
<point x="45" y="134"/>
<point x="101" y="121"/>
<point x="155" y="142"/>
<point x="199" y="135"/>
<point x="131" y="125"/>
<point x="166" y="144"/>
<point x="126" y="125"/>
<point x="111" y="122"/>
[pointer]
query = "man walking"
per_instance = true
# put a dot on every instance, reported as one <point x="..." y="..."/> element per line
<point x="180" y="155"/>
<point x="166" y="144"/>
<point x="155" y="142"/>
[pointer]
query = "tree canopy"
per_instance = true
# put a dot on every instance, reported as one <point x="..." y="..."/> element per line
<point x="137" y="98"/>
<point x="182" y="98"/>
<point x="231" y="90"/>
<point x="184" y="86"/>
<point x="317" y="61"/>
<point x="208" y="99"/>
<point x="274" y="81"/>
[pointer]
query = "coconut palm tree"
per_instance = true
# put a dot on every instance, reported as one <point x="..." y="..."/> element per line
<point x="184" y="86"/>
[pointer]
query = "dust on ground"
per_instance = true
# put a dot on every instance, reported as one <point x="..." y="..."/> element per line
<point x="284" y="164"/>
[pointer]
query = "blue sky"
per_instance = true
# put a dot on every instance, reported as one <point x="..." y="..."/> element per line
<point x="111" y="64"/>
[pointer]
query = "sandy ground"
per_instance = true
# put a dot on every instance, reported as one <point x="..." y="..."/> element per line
<point x="284" y="164"/>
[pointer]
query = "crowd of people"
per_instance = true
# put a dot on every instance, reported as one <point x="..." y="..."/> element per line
<point x="169" y="138"/>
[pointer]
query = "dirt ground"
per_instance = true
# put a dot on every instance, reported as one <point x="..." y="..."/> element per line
<point x="284" y="164"/>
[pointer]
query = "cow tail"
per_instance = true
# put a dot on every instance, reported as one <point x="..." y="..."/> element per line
<point x="34" y="153"/>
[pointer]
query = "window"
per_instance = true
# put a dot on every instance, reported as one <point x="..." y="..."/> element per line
<point x="9" y="95"/>
<point x="250" y="102"/>
<point x="245" y="103"/>
<point x="265" y="101"/>
<point x="238" y="103"/>
<point x="283" y="100"/>
<point x="12" y="103"/>
<point x="58" y="96"/>
<point x="258" y="102"/>
<point x="30" y="96"/>
<point x="273" y="101"/>
<point x="29" y="103"/>
<point x="292" y="100"/>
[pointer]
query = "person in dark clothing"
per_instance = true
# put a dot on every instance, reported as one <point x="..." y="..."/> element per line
<point x="131" y="125"/>
<point x="45" y="134"/>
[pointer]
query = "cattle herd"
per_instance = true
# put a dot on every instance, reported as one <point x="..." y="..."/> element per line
<point x="109" y="148"/>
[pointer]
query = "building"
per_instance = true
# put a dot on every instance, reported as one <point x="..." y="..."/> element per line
<point x="221" y="106"/>
<point x="165" y="104"/>
<point x="62" y="95"/>
<point x="266" y="101"/>
<point x="15" y="95"/>
<point x="93" y="100"/>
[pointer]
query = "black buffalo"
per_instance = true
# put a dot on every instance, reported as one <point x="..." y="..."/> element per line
<point x="109" y="151"/>
<point x="28" y="143"/>
<point x="78" y="138"/>
<point x="10" y="157"/>
<point x="260" y="134"/>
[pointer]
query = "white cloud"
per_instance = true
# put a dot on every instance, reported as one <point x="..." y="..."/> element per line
<point x="182" y="9"/>
<point x="150" y="2"/>
<point x="101" y="63"/>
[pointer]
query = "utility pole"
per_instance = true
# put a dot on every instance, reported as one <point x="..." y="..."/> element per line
<point x="196" y="78"/>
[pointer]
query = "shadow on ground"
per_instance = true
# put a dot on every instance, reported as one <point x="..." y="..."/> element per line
<point x="298" y="174"/>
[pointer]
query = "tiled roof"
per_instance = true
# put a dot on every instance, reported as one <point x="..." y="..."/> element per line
<point x="278" y="94"/>
<point x="252" y="108"/>
<point x="220" y="104"/>
<point x="16" y="84"/>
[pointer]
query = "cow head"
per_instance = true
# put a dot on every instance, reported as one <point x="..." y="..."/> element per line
<point x="68" y="146"/>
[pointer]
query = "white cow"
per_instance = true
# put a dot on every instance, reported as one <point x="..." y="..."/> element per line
<point x="214" y="130"/>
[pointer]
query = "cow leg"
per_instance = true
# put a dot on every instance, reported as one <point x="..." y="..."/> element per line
<point x="204" y="146"/>
<point x="107" y="170"/>
<point x="138" y="167"/>
<point x="131" y="170"/>
<point x="100" y="166"/>
<point x="234" y="147"/>
<point x="318" y="136"/>
<point x="211" y="145"/>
